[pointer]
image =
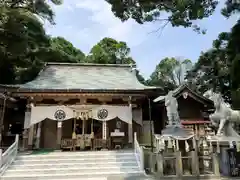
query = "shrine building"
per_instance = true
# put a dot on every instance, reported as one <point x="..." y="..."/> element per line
<point x="193" y="111"/>
<point x="79" y="106"/>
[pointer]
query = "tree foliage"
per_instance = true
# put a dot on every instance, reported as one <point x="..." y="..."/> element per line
<point x="22" y="36"/>
<point x="177" y="12"/>
<point x="25" y="46"/>
<point x="110" y="51"/>
<point x="170" y="73"/>
<point x="218" y="68"/>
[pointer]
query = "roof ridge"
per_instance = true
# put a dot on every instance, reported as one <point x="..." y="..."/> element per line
<point x="91" y="64"/>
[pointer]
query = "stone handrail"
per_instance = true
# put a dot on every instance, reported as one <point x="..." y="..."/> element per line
<point x="138" y="150"/>
<point x="9" y="155"/>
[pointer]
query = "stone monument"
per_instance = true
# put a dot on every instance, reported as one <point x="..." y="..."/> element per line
<point x="173" y="132"/>
<point x="223" y="118"/>
<point x="174" y="128"/>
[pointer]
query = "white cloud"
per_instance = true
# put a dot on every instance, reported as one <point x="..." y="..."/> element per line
<point x="86" y="22"/>
<point x="107" y="25"/>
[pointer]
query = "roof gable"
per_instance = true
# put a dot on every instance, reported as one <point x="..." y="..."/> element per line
<point x="57" y="76"/>
<point x="178" y="92"/>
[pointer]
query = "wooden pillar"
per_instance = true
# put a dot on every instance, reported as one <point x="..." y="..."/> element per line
<point x="130" y="128"/>
<point x="59" y="134"/>
<point x="38" y="135"/>
<point x="104" y="127"/>
<point x="104" y="130"/>
<point x="2" y="118"/>
<point x="30" y="137"/>
<point x="195" y="158"/>
<point x="74" y="138"/>
<point x="25" y="140"/>
<point x="1" y="159"/>
<point x="83" y="126"/>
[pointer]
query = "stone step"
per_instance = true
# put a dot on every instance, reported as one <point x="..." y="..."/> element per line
<point x="97" y="178"/>
<point x="73" y="153"/>
<point x="55" y="170"/>
<point x="74" y="160"/>
<point x="76" y="156"/>
<point x="31" y="176"/>
<point x="69" y="165"/>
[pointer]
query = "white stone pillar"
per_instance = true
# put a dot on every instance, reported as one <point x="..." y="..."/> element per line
<point x="104" y="130"/>
<point x="130" y="130"/>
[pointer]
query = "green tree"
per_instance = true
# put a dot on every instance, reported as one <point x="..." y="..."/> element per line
<point x="218" y="68"/>
<point x="22" y="36"/>
<point x="177" y="12"/>
<point x="111" y="51"/>
<point x="62" y="50"/>
<point x="58" y="50"/>
<point x="170" y="73"/>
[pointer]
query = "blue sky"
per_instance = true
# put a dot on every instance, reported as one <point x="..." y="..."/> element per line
<point x="85" y="22"/>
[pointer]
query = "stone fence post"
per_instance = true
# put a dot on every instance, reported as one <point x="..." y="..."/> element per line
<point x="195" y="163"/>
<point x="179" y="167"/>
<point x="160" y="160"/>
<point x="216" y="167"/>
<point x="152" y="161"/>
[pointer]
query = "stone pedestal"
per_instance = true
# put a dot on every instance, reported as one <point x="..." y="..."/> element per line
<point x="175" y="131"/>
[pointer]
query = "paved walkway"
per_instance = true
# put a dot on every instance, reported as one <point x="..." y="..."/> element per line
<point x="173" y="178"/>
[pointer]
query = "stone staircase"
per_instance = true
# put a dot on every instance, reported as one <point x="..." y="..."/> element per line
<point x="90" y="165"/>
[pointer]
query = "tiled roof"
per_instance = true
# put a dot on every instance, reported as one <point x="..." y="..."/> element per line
<point x="58" y="76"/>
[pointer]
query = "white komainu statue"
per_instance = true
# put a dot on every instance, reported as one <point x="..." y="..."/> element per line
<point x="172" y="109"/>
<point x="224" y="116"/>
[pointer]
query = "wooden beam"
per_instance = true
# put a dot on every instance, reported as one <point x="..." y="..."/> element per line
<point x="45" y="95"/>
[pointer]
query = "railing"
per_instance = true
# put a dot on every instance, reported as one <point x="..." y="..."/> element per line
<point x="8" y="156"/>
<point x="138" y="150"/>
